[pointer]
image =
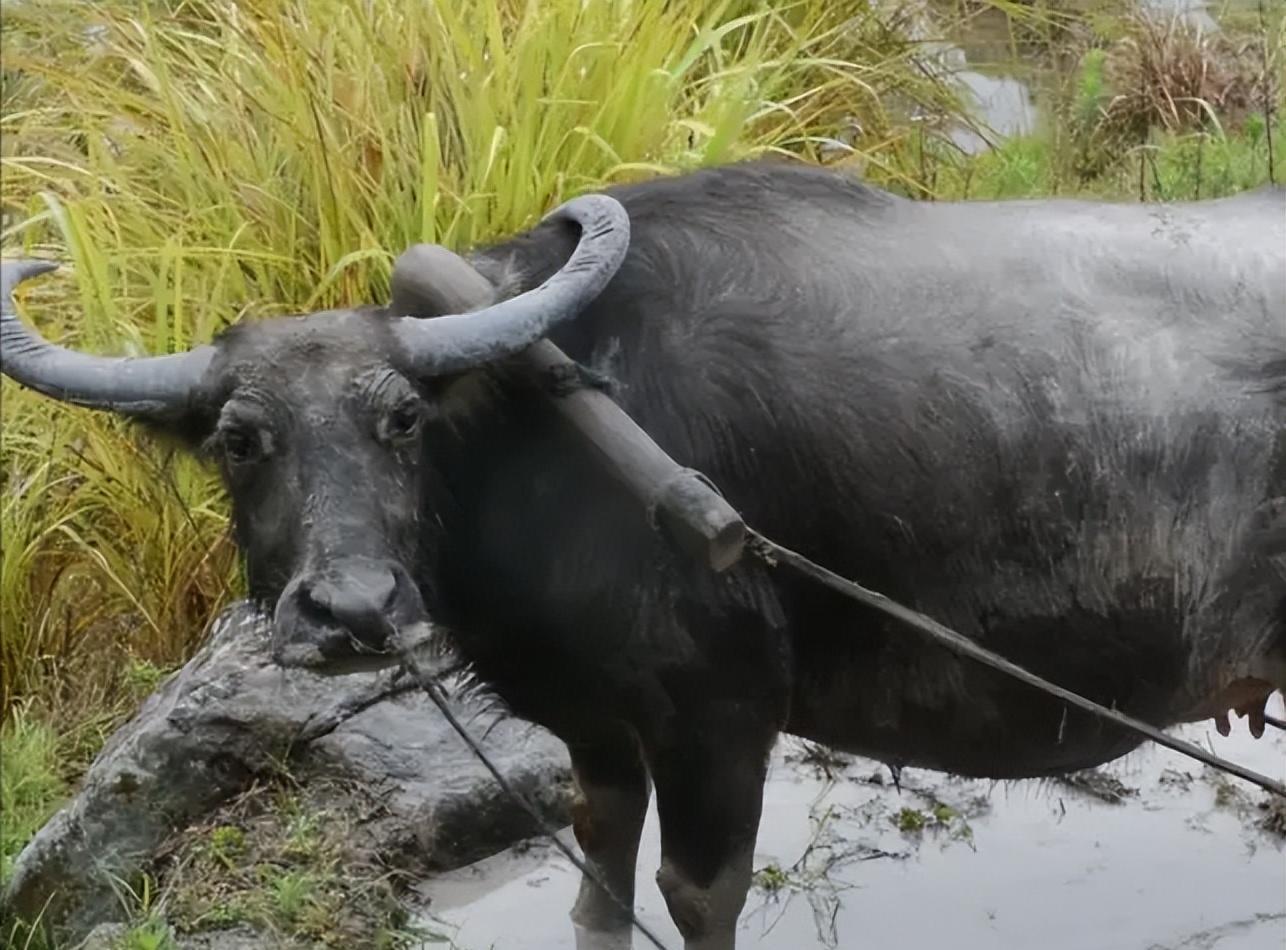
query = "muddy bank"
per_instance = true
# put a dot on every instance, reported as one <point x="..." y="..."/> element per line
<point x="1154" y="852"/>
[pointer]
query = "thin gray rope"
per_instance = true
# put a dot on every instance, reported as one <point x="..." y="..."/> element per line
<point x="429" y="683"/>
<point x="771" y="552"/>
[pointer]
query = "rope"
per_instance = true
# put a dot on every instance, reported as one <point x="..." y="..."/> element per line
<point x="428" y="682"/>
<point x="771" y="552"/>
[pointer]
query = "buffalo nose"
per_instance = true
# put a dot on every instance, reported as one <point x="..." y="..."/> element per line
<point x="359" y="596"/>
<point x="344" y="608"/>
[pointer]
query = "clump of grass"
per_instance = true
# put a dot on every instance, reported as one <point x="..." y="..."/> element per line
<point x="937" y="817"/>
<point x="150" y="933"/>
<point x="288" y="863"/>
<point x="771" y="878"/>
<point x="1163" y="74"/>
<point x="910" y="820"/>
<point x="1167" y="73"/>
<point x="32" y="780"/>
<point x="38" y="760"/>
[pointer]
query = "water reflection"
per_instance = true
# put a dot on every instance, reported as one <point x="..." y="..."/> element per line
<point x="996" y="75"/>
<point x="1005" y="107"/>
<point x="1157" y="854"/>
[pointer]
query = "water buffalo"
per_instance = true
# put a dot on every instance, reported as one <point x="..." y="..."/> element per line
<point x="1057" y="426"/>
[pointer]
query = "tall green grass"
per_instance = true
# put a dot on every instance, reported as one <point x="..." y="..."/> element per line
<point x="197" y="163"/>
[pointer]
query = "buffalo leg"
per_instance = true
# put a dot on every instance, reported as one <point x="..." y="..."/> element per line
<point x="612" y="796"/>
<point x="709" y="795"/>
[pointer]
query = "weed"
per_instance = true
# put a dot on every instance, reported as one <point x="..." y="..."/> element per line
<point x="293" y="895"/>
<point x="936" y="817"/>
<point x="1100" y="785"/>
<point x="771" y="878"/>
<point x="1167" y="73"/>
<point x="226" y="846"/>
<point x="1274" y="815"/>
<point x="911" y="820"/>
<point x="143" y="676"/>
<point x="303" y="834"/>
<point x="815" y="874"/>
<point x="288" y="860"/>
<point x="151" y="933"/>
<point x="824" y="761"/>
<point x="32" y="782"/>
<point x="1227" y="795"/>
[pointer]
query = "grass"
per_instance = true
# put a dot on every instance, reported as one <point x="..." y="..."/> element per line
<point x="1169" y="166"/>
<point x="39" y="759"/>
<point x="277" y="860"/>
<point x="34" y="781"/>
<point x="195" y="163"/>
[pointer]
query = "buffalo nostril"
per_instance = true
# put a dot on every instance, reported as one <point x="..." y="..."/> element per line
<point x="356" y="596"/>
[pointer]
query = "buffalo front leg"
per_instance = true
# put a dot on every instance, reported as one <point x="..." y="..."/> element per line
<point x="709" y="796"/>
<point x="607" y="818"/>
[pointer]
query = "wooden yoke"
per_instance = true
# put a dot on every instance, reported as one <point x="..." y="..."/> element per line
<point x="430" y="280"/>
<point x="678" y="500"/>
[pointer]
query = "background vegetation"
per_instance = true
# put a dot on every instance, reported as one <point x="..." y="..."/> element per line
<point x="198" y="162"/>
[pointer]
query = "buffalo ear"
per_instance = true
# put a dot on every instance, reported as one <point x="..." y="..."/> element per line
<point x="430" y="281"/>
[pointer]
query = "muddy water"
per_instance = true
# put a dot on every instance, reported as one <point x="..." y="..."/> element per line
<point x="1159" y="854"/>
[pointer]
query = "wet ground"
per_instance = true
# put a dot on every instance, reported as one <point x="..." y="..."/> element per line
<point x="1155" y="852"/>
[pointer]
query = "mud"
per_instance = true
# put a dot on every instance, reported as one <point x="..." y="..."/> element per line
<point x="1152" y="852"/>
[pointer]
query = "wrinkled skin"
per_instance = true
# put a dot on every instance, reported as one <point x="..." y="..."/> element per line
<point x="1058" y="427"/>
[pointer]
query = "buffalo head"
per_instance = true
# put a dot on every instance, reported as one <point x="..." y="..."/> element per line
<point x="317" y="423"/>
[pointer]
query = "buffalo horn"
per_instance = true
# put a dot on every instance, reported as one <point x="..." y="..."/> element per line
<point x="461" y="341"/>
<point x="134" y="386"/>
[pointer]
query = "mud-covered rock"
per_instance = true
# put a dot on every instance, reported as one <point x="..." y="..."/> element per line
<point x="231" y="715"/>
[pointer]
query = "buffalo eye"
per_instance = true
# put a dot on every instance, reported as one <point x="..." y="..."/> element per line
<point x="402" y="422"/>
<point x="241" y="446"/>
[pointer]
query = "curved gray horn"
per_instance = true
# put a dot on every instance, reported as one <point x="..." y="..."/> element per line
<point x="462" y="341"/>
<point x="133" y="386"/>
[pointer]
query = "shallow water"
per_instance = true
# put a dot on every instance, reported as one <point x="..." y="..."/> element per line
<point x="999" y="81"/>
<point x="1180" y="863"/>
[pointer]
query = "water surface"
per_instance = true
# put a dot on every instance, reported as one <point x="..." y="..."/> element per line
<point x="1178" y="862"/>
